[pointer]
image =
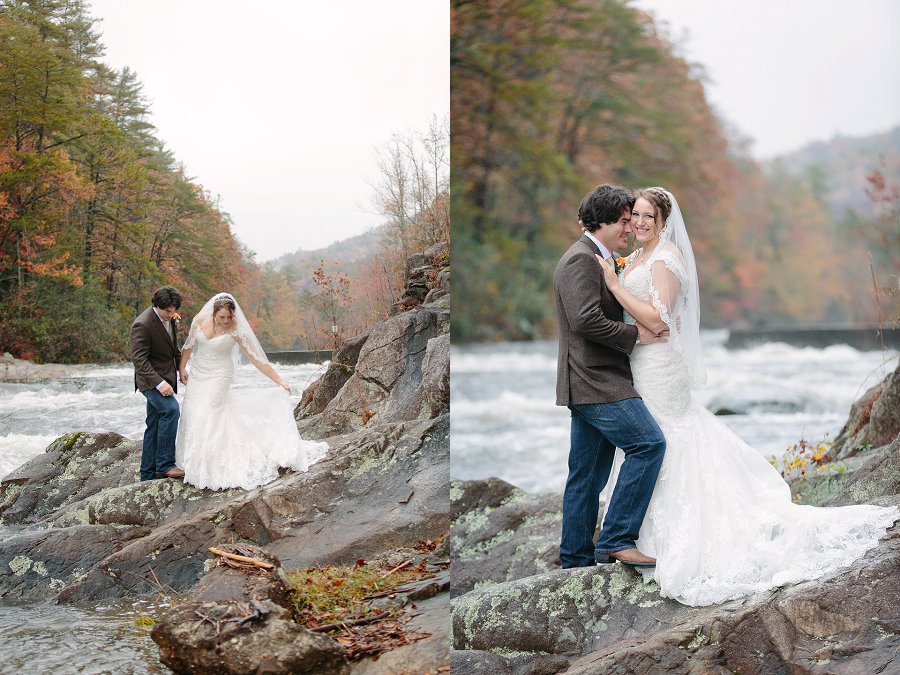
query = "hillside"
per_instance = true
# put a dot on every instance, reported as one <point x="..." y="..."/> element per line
<point x="838" y="168"/>
<point x="346" y="254"/>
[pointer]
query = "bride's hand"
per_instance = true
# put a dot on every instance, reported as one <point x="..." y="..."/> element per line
<point x="609" y="274"/>
<point x="285" y="386"/>
<point x="647" y="336"/>
<point x="183" y="376"/>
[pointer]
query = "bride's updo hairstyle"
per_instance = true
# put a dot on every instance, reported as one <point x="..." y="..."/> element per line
<point x="660" y="200"/>
<point x="224" y="301"/>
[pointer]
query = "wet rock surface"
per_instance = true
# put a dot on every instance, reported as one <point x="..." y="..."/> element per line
<point x="606" y="620"/>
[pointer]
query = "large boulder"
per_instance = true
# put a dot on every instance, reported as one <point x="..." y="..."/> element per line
<point x="318" y="395"/>
<point x="240" y="621"/>
<point x="41" y="563"/>
<point x="398" y="371"/>
<point x="874" y="419"/>
<point x="209" y="638"/>
<point x="501" y="533"/>
<point x="387" y="383"/>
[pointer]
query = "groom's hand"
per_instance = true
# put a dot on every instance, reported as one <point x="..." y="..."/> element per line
<point x="647" y="336"/>
<point x="166" y="389"/>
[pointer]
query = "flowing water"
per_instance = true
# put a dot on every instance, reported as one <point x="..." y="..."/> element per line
<point x="505" y="423"/>
<point x="40" y="637"/>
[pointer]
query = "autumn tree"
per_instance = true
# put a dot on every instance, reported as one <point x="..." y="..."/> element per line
<point x="332" y="295"/>
<point x="94" y="211"/>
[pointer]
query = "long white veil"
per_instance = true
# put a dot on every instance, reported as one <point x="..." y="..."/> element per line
<point x="243" y="334"/>
<point x="675" y="290"/>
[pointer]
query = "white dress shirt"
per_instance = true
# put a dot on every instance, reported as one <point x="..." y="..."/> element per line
<point x="607" y="254"/>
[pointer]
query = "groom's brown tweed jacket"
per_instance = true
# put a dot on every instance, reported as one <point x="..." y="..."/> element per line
<point x="593" y="342"/>
<point x="154" y="353"/>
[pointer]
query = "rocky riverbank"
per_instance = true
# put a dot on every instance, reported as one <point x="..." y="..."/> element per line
<point x="79" y="527"/>
<point x="515" y="611"/>
<point x="13" y="369"/>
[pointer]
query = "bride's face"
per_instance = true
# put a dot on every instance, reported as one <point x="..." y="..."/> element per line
<point x="645" y="221"/>
<point x="224" y="318"/>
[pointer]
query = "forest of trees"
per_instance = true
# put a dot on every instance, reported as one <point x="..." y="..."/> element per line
<point x="552" y="97"/>
<point x="95" y="212"/>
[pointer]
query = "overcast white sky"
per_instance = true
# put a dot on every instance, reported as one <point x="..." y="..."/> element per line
<point x="787" y="72"/>
<point x="277" y="106"/>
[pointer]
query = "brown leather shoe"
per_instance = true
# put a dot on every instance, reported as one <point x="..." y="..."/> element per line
<point x="174" y="472"/>
<point x="633" y="557"/>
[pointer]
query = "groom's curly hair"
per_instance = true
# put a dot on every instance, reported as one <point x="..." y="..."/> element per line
<point x="604" y="204"/>
<point x="167" y="296"/>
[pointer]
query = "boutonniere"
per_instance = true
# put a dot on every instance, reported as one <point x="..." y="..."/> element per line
<point x="176" y="319"/>
<point x="620" y="263"/>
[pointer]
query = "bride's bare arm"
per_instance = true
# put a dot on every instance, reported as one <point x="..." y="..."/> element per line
<point x="265" y="368"/>
<point x="182" y="365"/>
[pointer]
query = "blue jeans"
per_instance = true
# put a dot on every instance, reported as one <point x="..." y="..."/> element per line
<point x="597" y="430"/>
<point x="158" y="455"/>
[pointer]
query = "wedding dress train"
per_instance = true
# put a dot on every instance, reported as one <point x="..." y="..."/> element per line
<point x="721" y="522"/>
<point x="234" y="437"/>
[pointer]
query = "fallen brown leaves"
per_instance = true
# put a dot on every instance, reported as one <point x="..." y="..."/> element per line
<point x="376" y="638"/>
<point x="336" y="601"/>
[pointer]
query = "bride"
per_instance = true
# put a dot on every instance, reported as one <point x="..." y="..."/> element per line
<point x="227" y="436"/>
<point x="721" y="522"/>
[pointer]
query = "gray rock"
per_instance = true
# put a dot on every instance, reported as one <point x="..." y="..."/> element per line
<point x="39" y="563"/>
<point x="874" y="419"/>
<point x="205" y="638"/>
<point x="13" y="369"/>
<point x="317" y="396"/>
<point x="475" y="662"/>
<point x="387" y="384"/>
<point x="607" y="620"/>
<point x="73" y="467"/>
<point x="387" y="488"/>
<point x="505" y="534"/>
<point x="240" y="621"/>
<point x="224" y="583"/>
<point x="875" y="482"/>
<point x="436" y="376"/>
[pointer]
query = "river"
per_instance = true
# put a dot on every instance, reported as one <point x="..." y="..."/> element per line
<point x="505" y="424"/>
<point x="41" y="637"/>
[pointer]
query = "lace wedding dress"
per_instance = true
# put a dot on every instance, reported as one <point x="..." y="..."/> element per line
<point x="721" y="523"/>
<point x="233" y="437"/>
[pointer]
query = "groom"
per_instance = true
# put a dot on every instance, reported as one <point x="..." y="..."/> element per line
<point x="594" y="380"/>
<point x="155" y="355"/>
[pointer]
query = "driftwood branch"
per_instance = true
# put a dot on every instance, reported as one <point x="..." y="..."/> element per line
<point x="398" y="567"/>
<point x="384" y="594"/>
<point x="347" y="624"/>
<point x="242" y="558"/>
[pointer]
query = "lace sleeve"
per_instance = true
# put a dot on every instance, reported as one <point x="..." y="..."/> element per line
<point x="192" y="334"/>
<point x="250" y="347"/>
<point x="667" y="278"/>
